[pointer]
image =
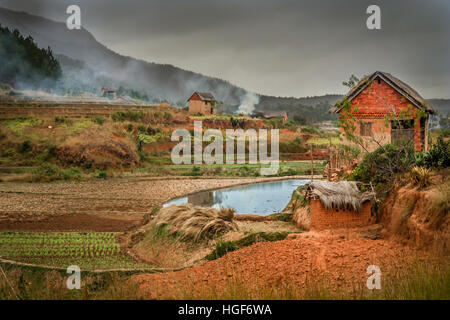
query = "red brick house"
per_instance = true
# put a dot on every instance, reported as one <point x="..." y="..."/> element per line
<point x="202" y="102"/>
<point x="387" y="110"/>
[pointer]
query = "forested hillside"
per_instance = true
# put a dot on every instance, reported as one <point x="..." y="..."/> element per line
<point x="24" y="63"/>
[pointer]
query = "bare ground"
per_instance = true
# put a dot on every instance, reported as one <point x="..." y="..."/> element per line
<point x="312" y="258"/>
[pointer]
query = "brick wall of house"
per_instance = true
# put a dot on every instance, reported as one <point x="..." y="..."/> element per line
<point x="322" y="218"/>
<point x="372" y="106"/>
<point x="197" y="105"/>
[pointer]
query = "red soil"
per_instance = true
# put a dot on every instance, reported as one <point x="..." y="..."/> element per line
<point x="72" y="222"/>
<point x="338" y="263"/>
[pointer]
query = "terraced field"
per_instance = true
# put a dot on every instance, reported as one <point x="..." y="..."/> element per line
<point x="89" y="251"/>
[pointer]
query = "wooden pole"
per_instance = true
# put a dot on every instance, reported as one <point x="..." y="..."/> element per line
<point x="312" y="162"/>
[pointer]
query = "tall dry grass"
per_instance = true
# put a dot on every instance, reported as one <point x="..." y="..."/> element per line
<point x="191" y="222"/>
<point x="98" y="148"/>
<point x="418" y="281"/>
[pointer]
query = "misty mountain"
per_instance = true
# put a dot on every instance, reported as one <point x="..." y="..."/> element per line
<point x="89" y="65"/>
<point x="158" y="80"/>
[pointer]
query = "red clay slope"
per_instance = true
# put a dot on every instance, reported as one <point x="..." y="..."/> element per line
<point x="334" y="262"/>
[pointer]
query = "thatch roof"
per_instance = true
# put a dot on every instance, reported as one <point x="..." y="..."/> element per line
<point x="339" y="195"/>
<point x="405" y="90"/>
<point x="205" y="96"/>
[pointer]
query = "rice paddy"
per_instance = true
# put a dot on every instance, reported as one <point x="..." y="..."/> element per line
<point x="89" y="251"/>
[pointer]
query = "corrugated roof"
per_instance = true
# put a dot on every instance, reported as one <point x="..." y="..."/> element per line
<point x="405" y="90"/>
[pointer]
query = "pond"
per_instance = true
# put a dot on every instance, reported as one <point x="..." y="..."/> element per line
<point x="258" y="198"/>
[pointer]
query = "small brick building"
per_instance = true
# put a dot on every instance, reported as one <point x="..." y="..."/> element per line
<point x="336" y="205"/>
<point x="202" y="102"/>
<point x="387" y="110"/>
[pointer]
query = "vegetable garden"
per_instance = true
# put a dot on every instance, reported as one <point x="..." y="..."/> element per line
<point x="89" y="251"/>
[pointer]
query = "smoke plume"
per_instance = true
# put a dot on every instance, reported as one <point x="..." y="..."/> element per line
<point x="248" y="103"/>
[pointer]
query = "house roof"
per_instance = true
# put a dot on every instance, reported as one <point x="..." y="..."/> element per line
<point x="274" y="114"/>
<point x="340" y="195"/>
<point x="405" y="90"/>
<point x="205" y="96"/>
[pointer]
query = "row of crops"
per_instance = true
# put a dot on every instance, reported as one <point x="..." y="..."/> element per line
<point x="90" y="250"/>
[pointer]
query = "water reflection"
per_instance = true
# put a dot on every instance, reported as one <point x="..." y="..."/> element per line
<point x="259" y="198"/>
<point x="204" y="199"/>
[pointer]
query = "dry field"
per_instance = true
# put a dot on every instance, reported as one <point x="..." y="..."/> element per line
<point x="96" y="205"/>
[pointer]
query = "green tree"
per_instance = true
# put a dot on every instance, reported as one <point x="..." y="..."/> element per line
<point x="22" y="61"/>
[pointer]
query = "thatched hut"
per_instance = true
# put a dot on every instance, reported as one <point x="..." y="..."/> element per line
<point x="338" y="205"/>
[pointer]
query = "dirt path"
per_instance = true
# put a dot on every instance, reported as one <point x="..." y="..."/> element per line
<point x="337" y="263"/>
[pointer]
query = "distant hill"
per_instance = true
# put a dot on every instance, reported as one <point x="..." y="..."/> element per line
<point x="158" y="80"/>
<point x="89" y="65"/>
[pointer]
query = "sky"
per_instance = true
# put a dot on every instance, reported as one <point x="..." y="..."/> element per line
<point x="281" y="48"/>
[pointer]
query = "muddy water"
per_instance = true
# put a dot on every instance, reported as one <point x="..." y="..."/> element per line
<point x="259" y="198"/>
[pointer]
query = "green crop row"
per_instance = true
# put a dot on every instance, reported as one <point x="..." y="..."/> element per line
<point x="87" y="250"/>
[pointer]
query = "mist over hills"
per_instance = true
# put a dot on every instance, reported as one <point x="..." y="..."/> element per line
<point x="88" y="65"/>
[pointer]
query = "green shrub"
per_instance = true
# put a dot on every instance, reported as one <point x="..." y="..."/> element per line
<point x="310" y="130"/>
<point x="25" y="147"/>
<point x="99" y="120"/>
<point x="47" y="172"/>
<point x="128" y="115"/>
<point x="72" y="174"/>
<point x="62" y="120"/>
<point x="102" y="174"/>
<point x="437" y="157"/>
<point x="295" y="146"/>
<point x="222" y="248"/>
<point x="196" y="171"/>
<point x="381" y="166"/>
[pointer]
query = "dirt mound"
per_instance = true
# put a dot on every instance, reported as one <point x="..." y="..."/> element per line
<point x="339" y="264"/>
<point x="97" y="149"/>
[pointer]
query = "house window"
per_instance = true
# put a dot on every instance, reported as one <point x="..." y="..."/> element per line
<point x="366" y="129"/>
<point x="402" y="130"/>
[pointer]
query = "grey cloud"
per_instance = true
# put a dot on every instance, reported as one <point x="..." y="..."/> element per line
<point x="284" y="47"/>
